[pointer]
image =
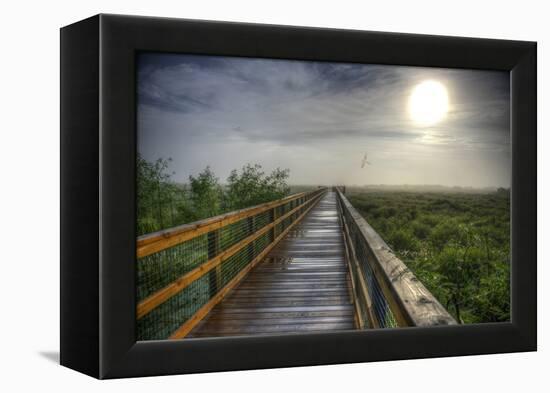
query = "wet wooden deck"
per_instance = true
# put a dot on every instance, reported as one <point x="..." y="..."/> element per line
<point x="301" y="286"/>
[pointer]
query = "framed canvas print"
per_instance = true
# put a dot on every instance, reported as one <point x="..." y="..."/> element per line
<point x="295" y="196"/>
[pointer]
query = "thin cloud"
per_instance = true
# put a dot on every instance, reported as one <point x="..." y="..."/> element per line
<point x="312" y="117"/>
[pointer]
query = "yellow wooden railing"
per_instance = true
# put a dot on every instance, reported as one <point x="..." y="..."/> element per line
<point x="205" y="260"/>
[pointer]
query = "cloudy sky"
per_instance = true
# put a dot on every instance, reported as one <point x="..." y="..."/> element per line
<point x="319" y="119"/>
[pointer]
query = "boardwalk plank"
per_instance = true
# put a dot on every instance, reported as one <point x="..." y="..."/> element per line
<point x="301" y="286"/>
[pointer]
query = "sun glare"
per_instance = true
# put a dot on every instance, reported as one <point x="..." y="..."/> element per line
<point x="428" y="103"/>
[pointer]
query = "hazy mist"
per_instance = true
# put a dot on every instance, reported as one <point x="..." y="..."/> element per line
<point x="318" y="119"/>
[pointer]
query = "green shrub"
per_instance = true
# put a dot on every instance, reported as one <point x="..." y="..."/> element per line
<point x="420" y="230"/>
<point x="443" y="233"/>
<point x="402" y="240"/>
<point x="388" y="212"/>
<point x="147" y="225"/>
<point x="429" y="220"/>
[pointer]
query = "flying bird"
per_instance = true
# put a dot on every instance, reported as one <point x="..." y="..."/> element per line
<point x="364" y="161"/>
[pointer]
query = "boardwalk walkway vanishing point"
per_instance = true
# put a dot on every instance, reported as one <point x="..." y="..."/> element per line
<point x="301" y="286"/>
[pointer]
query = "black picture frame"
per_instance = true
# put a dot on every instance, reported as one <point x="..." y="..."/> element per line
<point x="98" y="236"/>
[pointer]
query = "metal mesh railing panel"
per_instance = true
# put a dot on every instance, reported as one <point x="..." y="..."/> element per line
<point x="233" y="233"/>
<point x="381" y="308"/>
<point x="157" y="270"/>
<point x="160" y="323"/>
<point x="360" y="301"/>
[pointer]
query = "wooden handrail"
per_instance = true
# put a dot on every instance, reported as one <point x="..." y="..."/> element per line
<point x="160" y="296"/>
<point x="157" y="241"/>
<point x="409" y="300"/>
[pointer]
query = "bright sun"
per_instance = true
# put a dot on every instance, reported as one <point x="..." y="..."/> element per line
<point x="428" y="103"/>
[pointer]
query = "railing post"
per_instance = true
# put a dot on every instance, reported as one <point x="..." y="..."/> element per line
<point x="272" y="218"/>
<point x="215" y="275"/>
<point x="250" y="231"/>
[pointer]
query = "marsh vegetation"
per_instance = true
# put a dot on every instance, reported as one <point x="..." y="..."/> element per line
<point x="457" y="242"/>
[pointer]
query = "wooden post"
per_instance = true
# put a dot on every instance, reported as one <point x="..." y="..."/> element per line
<point x="250" y="231"/>
<point x="215" y="276"/>
<point x="272" y="234"/>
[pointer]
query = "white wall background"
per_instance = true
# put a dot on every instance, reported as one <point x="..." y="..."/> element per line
<point x="29" y="195"/>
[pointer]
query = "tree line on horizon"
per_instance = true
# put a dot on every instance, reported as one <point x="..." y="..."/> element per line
<point x="163" y="203"/>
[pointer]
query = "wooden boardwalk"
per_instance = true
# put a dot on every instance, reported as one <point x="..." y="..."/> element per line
<point x="301" y="286"/>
